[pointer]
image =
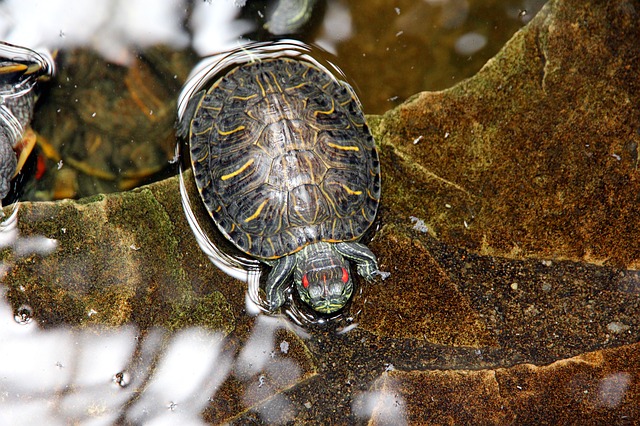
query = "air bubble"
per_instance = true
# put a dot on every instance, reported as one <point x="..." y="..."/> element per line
<point x="122" y="379"/>
<point x="24" y="315"/>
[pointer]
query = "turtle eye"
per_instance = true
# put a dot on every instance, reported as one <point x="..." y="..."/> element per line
<point x="305" y="281"/>
<point x="345" y="275"/>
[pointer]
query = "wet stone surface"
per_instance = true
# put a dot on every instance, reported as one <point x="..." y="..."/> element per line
<point x="543" y="144"/>
<point x="509" y="225"/>
<point x="595" y="388"/>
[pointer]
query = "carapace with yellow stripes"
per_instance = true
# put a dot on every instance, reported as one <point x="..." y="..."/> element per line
<point x="288" y="170"/>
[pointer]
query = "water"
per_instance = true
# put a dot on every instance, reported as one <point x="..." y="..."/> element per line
<point x="296" y="366"/>
<point x="388" y="51"/>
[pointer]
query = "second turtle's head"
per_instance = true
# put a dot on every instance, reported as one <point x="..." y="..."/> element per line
<point x="323" y="280"/>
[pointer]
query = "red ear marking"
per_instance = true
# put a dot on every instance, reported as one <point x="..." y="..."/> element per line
<point x="345" y="275"/>
<point x="41" y="167"/>
<point x="305" y="281"/>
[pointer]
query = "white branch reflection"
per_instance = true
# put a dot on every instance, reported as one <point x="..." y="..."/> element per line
<point x="105" y="375"/>
<point x="117" y="28"/>
<point x="100" y="375"/>
<point x="112" y="27"/>
<point x="612" y="389"/>
<point x="75" y="376"/>
<point x="383" y="407"/>
<point x="190" y="371"/>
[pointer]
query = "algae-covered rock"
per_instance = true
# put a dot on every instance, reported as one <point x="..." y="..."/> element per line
<point x="118" y="258"/>
<point x="536" y="155"/>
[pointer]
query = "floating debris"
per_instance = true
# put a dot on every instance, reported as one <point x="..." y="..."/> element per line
<point x="382" y="274"/>
<point x="348" y="328"/>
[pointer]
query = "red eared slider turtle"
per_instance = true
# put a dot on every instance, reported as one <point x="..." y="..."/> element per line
<point x="20" y="69"/>
<point x="107" y="127"/>
<point x="287" y="168"/>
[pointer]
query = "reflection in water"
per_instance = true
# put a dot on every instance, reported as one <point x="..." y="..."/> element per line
<point x="470" y="43"/>
<point x="24" y="315"/>
<point x="115" y="28"/>
<point x="9" y="229"/>
<point x="23" y="246"/>
<point x="111" y="27"/>
<point x="336" y="26"/>
<point x="262" y="367"/>
<point x="107" y="375"/>
<point x="256" y="352"/>
<point x="612" y="389"/>
<point x="215" y="28"/>
<point x="190" y="370"/>
<point x="386" y="407"/>
<point x="58" y="375"/>
<point x="377" y="42"/>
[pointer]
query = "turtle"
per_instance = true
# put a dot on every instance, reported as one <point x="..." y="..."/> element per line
<point x="21" y="69"/>
<point x="288" y="16"/>
<point x="289" y="172"/>
<point x="107" y="127"/>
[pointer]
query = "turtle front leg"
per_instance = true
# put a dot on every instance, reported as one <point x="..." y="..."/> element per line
<point x="366" y="262"/>
<point x="281" y="270"/>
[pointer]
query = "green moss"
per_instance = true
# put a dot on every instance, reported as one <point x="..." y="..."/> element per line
<point x="118" y="261"/>
<point x="210" y="311"/>
<point x="50" y="304"/>
<point x="91" y="199"/>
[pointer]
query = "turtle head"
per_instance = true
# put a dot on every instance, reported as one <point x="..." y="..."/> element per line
<point x="323" y="280"/>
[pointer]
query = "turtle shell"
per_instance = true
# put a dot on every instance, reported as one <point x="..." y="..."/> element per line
<point x="282" y="158"/>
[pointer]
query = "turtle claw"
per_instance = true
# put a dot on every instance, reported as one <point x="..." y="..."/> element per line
<point x="367" y="270"/>
<point x="367" y="264"/>
<point x="382" y="274"/>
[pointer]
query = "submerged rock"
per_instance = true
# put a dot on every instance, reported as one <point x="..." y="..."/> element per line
<point x="536" y="155"/>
